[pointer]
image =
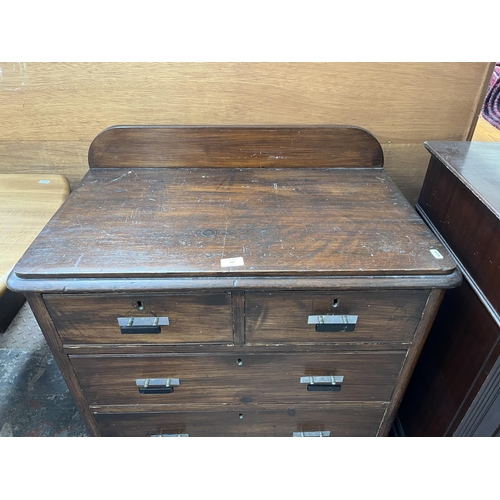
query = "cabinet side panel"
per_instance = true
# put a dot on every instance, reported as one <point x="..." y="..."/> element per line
<point x="50" y="333"/>
<point x="452" y="367"/>
<point x="423" y="328"/>
<point x="467" y="225"/>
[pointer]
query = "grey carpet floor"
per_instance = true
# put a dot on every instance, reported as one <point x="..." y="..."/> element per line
<point x="34" y="399"/>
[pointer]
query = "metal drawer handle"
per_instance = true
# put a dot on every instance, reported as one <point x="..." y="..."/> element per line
<point x="156" y="385"/>
<point x="169" y="435"/>
<point x="323" y="383"/>
<point x="142" y="325"/>
<point x="333" y="322"/>
<point x="311" y="434"/>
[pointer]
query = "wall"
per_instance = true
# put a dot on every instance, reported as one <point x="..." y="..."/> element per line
<point x="50" y="112"/>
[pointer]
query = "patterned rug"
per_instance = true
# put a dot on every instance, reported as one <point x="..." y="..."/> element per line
<point x="491" y="105"/>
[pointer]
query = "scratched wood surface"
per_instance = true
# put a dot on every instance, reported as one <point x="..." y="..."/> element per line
<point x="258" y="378"/>
<point x="383" y="316"/>
<point x="183" y="222"/>
<point x="92" y="319"/>
<point x="54" y="110"/>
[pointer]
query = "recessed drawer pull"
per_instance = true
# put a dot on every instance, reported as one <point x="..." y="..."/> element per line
<point x="333" y="322"/>
<point x="323" y="383"/>
<point x="311" y="434"/>
<point x="169" y="435"/>
<point x="156" y="385"/>
<point x="142" y="325"/>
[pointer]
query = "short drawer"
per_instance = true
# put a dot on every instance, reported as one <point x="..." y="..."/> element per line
<point x="382" y="316"/>
<point x="93" y="319"/>
<point x="239" y="378"/>
<point x="362" y="421"/>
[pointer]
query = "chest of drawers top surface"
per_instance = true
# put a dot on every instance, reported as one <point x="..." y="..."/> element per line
<point x="171" y="221"/>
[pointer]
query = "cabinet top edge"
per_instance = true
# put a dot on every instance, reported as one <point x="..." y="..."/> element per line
<point x="233" y="283"/>
<point x="475" y="164"/>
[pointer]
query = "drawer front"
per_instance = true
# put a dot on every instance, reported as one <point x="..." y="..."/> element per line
<point x="336" y="422"/>
<point x="93" y="319"/>
<point x="382" y="316"/>
<point x="238" y="379"/>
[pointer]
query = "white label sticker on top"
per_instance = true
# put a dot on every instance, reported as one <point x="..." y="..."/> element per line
<point x="44" y="181"/>
<point x="436" y="253"/>
<point x="233" y="262"/>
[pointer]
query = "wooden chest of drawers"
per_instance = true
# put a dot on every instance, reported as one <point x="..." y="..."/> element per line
<point x="236" y="281"/>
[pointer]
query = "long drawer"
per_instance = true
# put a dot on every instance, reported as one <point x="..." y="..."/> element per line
<point x="238" y="379"/>
<point x="361" y="421"/>
<point x="382" y="316"/>
<point x="93" y="319"/>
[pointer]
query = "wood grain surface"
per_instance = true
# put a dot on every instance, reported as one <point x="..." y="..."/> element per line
<point x="54" y="342"/>
<point x="68" y="158"/>
<point x="287" y="226"/>
<point x="485" y="132"/>
<point x="340" y="421"/>
<point x="405" y="163"/>
<point x="68" y="101"/>
<point x="54" y="110"/>
<point x="383" y="316"/>
<point x="450" y="392"/>
<point x="461" y="197"/>
<point x="184" y="222"/>
<point x="228" y="282"/>
<point x="230" y="379"/>
<point x="26" y="205"/>
<point x="235" y="147"/>
<point x="455" y="362"/>
<point x="93" y="319"/>
<point x="423" y="328"/>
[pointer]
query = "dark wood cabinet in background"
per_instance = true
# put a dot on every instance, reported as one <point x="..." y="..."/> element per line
<point x="455" y="388"/>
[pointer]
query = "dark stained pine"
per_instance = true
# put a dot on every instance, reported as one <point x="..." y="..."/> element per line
<point x="340" y="421"/>
<point x="235" y="147"/>
<point x="314" y="226"/>
<point x="234" y="379"/>
<point x="183" y="221"/>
